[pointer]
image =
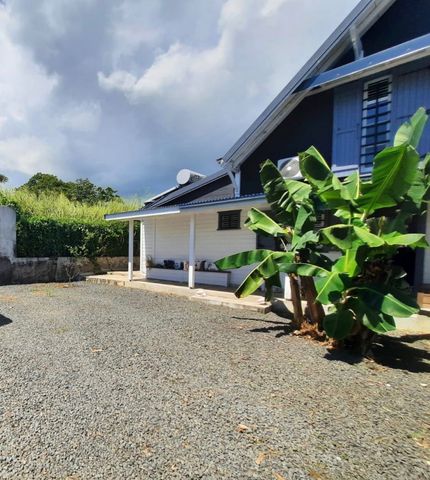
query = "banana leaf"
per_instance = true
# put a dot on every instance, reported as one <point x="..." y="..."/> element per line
<point x="376" y="321"/>
<point x="394" y="172"/>
<point x="387" y="300"/>
<point x="351" y="186"/>
<point x="330" y="288"/>
<point x="263" y="271"/>
<point x="242" y="259"/>
<point x="338" y="325"/>
<point x="350" y="262"/>
<point x="339" y="235"/>
<point x="411" y="131"/>
<point x="259" y="222"/>
<point x="304" y="269"/>
<point x="314" y="168"/>
<point x="412" y="240"/>
<point x="367" y="237"/>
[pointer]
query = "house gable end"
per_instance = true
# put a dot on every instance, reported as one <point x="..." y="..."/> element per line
<point x="403" y="21"/>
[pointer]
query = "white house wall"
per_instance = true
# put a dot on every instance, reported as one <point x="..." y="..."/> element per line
<point x="166" y="238"/>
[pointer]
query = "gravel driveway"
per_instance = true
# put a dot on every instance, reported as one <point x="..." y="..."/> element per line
<point x="107" y="382"/>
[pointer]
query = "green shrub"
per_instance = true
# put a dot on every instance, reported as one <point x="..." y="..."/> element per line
<point x="50" y="225"/>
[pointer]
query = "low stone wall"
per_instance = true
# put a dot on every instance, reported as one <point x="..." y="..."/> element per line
<point x="58" y="269"/>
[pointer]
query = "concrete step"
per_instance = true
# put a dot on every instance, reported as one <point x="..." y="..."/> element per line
<point x="241" y="304"/>
<point x="423" y="299"/>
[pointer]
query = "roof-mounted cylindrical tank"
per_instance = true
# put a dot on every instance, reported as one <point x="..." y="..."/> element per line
<point x="186" y="176"/>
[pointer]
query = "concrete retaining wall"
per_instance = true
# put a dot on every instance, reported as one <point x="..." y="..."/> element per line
<point x="56" y="269"/>
<point x="7" y="232"/>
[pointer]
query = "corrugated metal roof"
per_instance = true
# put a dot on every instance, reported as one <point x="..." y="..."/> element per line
<point x="188" y="188"/>
<point x="222" y="200"/>
<point x="174" y="209"/>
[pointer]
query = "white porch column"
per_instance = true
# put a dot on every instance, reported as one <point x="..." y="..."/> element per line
<point x="130" y="249"/>
<point x="192" y="252"/>
<point x="287" y="287"/>
<point x="142" y="248"/>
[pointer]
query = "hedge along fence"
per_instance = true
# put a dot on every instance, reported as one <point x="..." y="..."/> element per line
<point x="41" y="237"/>
<point x="50" y="225"/>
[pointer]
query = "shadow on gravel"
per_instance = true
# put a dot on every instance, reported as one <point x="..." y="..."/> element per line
<point x="343" y="356"/>
<point x="392" y="352"/>
<point x="396" y="352"/>
<point x="4" y="321"/>
<point x="283" y="328"/>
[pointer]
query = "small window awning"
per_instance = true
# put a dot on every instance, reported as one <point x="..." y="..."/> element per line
<point x="405" y="52"/>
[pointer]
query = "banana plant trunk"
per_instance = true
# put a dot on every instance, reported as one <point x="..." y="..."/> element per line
<point x="315" y="309"/>
<point x="296" y="301"/>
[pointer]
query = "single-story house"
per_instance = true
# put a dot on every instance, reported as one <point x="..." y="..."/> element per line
<point x="370" y="75"/>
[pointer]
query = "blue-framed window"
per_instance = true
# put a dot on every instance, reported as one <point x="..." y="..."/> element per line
<point x="376" y="120"/>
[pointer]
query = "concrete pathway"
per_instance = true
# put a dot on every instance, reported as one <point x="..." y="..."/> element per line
<point x="419" y="323"/>
<point x="211" y="295"/>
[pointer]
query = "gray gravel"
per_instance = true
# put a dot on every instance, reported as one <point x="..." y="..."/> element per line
<point x="107" y="382"/>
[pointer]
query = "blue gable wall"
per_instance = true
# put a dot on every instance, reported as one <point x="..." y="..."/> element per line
<point x="331" y="119"/>
<point x="403" y="21"/>
<point x="347" y="106"/>
<point x="309" y="124"/>
<point x="410" y="90"/>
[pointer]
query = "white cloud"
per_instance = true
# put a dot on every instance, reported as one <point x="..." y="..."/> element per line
<point x="83" y="117"/>
<point x="180" y="66"/>
<point x="271" y="7"/>
<point x="118" y="80"/>
<point x="24" y="85"/>
<point x="256" y="53"/>
<point x="26" y="154"/>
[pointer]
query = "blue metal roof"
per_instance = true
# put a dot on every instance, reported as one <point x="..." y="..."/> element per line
<point x="417" y="47"/>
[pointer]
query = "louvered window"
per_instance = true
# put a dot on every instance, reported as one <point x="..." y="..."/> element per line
<point x="376" y="119"/>
<point x="229" y="220"/>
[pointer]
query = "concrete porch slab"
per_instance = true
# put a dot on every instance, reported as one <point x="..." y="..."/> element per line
<point x="212" y="295"/>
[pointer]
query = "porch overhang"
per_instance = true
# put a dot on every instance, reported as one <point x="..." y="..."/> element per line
<point x="189" y="208"/>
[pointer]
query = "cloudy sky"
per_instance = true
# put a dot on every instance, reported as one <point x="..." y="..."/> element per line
<point x="126" y="92"/>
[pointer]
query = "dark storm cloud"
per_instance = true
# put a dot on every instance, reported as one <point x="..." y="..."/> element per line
<point x="129" y="92"/>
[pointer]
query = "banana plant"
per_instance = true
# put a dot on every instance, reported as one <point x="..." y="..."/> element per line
<point x="292" y="219"/>
<point x="364" y="288"/>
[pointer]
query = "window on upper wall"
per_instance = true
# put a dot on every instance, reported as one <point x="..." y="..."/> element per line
<point x="229" y="220"/>
<point x="376" y="120"/>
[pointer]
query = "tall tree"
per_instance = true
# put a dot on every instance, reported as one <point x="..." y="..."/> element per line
<point x="82" y="190"/>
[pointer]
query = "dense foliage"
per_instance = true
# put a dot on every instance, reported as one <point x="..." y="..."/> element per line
<point x="49" y="224"/>
<point x="81" y="190"/>
<point x="363" y="289"/>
